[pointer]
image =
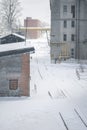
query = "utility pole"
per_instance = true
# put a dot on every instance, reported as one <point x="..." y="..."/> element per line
<point x="25" y="30"/>
<point x="77" y="29"/>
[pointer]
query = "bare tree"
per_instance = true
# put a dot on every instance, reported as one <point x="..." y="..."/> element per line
<point x="10" y="12"/>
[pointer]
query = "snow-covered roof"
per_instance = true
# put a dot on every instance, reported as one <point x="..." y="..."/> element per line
<point x="16" y="48"/>
<point x="20" y="36"/>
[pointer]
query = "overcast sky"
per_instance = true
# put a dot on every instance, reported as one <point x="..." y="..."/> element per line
<point x="38" y="9"/>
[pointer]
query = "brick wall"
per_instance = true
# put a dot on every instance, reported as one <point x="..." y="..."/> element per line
<point x="15" y="67"/>
<point x="25" y="75"/>
<point x="29" y="22"/>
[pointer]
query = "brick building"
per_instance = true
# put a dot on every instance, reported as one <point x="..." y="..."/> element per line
<point x="29" y="22"/>
<point x="15" y="69"/>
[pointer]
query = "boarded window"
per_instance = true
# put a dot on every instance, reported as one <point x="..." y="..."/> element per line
<point x="13" y="84"/>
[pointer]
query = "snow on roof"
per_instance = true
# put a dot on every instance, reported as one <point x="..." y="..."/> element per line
<point x="13" y="34"/>
<point x="18" y="35"/>
<point x="15" y="47"/>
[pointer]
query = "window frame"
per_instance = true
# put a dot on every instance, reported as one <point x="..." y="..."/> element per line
<point x="64" y="8"/>
<point x="13" y="84"/>
<point x="65" y="23"/>
<point x="72" y="52"/>
<point x="72" y="37"/>
<point x="73" y="24"/>
<point x="64" y="37"/>
<point x="73" y="8"/>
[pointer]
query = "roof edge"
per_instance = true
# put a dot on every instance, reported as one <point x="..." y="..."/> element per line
<point x="17" y="51"/>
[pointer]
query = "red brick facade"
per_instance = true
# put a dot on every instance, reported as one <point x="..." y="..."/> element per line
<point x="15" y="75"/>
<point x="29" y="22"/>
<point x="24" y="83"/>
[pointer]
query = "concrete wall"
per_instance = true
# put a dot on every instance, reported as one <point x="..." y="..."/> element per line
<point x="57" y="25"/>
<point x="14" y="67"/>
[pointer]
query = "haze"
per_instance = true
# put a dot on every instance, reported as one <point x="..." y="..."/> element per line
<point x="37" y="9"/>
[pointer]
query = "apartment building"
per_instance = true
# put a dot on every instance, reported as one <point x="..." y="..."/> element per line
<point x="68" y="29"/>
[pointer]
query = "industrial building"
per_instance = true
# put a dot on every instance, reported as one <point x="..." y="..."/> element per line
<point x="15" y="67"/>
<point x="32" y="34"/>
<point x="68" y="29"/>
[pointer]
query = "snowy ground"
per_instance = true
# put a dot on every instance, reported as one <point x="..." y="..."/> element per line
<point x="58" y="97"/>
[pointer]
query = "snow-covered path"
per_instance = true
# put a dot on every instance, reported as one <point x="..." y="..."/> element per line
<point x="58" y="99"/>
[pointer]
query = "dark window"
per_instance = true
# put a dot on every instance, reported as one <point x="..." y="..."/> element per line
<point x="72" y="53"/>
<point x="13" y="84"/>
<point x="65" y="37"/>
<point x="72" y="24"/>
<point x="72" y="37"/>
<point x="73" y="11"/>
<point x="65" y="8"/>
<point x="65" y="24"/>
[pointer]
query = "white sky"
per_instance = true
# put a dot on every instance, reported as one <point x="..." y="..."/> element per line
<point x="38" y="9"/>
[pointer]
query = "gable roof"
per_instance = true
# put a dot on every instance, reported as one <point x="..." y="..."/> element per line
<point x="15" y="34"/>
<point x="11" y="38"/>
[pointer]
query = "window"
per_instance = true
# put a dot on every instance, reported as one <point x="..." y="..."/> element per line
<point x="72" y="24"/>
<point x="13" y="84"/>
<point x="65" y="24"/>
<point x="65" y="8"/>
<point x="65" y="37"/>
<point x="72" y="37"/>
<point x="72" y="53"/>
<point x="73" y="11"/>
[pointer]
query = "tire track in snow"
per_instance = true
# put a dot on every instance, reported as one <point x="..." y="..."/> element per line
<point x="63" y="121"/>
<point x="38" y="67"/>
<point x="77" y="113"/>
<point x="50" y="95"/>
<point x="80" y="117"/>
<point x="58" y="95"/>
<point x="62" y="91"/>
<point x="40" y="73"/>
